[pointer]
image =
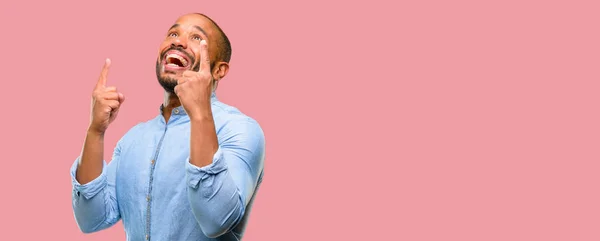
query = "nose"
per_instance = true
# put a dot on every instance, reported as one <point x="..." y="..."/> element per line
<point x="179" y="42"/>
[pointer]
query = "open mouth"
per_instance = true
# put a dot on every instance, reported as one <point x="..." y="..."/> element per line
<point x="176" y="60"/>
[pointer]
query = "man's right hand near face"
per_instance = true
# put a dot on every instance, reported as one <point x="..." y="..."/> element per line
<point x="106" y="102"/>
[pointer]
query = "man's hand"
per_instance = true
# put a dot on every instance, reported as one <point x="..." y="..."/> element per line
<point x="105" y="103"/>
<point x="195" y="88"/>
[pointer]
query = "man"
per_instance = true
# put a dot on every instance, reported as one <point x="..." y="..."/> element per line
<point x="192" y="172"/>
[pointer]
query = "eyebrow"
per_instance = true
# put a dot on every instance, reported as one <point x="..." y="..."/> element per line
<point x="197" y="27"/>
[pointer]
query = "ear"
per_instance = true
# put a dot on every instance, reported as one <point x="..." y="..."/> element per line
<point x="220" y="70"/>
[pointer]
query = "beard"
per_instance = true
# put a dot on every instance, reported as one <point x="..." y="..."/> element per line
<point x="169" y="83"/>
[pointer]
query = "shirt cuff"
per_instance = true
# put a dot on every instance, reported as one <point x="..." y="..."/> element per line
<point x="90" y="189"/>
<point x="205" y="174"/>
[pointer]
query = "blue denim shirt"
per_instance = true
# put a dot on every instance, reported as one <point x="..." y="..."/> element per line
<point x="159" y="195"/>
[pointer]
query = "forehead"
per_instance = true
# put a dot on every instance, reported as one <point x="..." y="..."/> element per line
<point x="192" y="22"/>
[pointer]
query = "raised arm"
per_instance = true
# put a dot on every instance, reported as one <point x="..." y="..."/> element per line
<point x="221" y="177"/>
<point x="105" y="107"/>
<point x="93" y="199"/>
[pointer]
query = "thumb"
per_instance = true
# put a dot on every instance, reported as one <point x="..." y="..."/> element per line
<point x="121" y="98"/>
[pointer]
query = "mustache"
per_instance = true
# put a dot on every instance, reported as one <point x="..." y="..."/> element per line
<point x="190" y="57"/>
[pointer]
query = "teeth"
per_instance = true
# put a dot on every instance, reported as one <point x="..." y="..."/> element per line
<point x="182" y="60"/>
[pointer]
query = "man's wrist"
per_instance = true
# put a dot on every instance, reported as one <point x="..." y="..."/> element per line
<point x="94" y="133"/>
<point x="201" y="114"/>
<point x="201" y="118"/>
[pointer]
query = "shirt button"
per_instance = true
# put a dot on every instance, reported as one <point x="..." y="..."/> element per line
<point x="152" y="162"/>
<point x="176" y="111"/>
<point x="147" y="198"/>
<point x="147" y="237"/>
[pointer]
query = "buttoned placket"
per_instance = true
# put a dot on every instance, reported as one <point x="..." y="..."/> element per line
<point x="176" y="111"/>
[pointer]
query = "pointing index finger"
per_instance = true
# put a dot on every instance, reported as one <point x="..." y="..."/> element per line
<point x="204" y="59"/>
<point x="104" y="73"/>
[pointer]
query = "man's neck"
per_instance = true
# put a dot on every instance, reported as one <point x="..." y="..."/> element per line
<point x="170" y="102"/>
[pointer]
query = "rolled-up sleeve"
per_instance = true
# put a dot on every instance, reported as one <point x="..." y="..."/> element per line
<point x="94" y="203"/>
<point x="220" y="191"/>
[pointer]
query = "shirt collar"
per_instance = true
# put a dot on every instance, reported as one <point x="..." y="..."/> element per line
<point x="179" y="110"/>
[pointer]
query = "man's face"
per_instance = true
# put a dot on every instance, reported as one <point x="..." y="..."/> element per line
<point x="180" y="51"/>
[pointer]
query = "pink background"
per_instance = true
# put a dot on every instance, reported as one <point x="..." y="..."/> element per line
<point x="436" y="120"/>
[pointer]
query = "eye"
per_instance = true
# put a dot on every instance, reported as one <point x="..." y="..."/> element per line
<point x="196" y="37"/>
<point x="173" y="34"/>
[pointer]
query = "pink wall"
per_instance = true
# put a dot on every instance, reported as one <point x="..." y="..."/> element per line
<point x="436" y="120"/>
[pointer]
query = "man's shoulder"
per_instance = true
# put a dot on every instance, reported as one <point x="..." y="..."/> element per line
<point x="234" y="120"/>
<point x="229" y="114"/>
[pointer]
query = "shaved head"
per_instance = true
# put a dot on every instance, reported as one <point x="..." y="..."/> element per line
<point x="223" y="44"/>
